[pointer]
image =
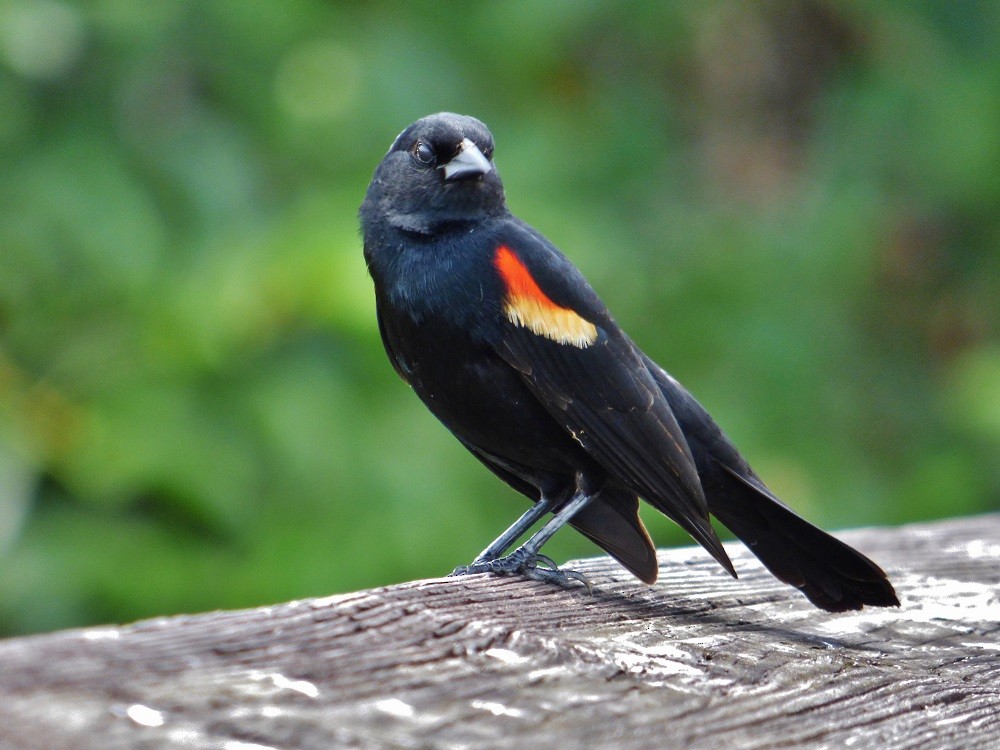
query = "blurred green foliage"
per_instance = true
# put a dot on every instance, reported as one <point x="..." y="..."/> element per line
<point x="794" y="206"/>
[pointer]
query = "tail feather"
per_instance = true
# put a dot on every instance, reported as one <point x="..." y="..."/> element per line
<point x="612" y="522"/>
<point x="833" y="575"/>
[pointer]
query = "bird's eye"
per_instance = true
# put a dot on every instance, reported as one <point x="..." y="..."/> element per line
<point x="423" y="153"/>
<point x="488" y="153"/>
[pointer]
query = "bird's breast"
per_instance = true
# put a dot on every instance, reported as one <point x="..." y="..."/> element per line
<point x="474" y="393"/>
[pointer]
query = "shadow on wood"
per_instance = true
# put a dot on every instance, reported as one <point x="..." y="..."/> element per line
<point x="698" y="661"/>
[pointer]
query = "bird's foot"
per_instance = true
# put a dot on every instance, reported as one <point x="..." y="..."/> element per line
<point x="524" y="562"/>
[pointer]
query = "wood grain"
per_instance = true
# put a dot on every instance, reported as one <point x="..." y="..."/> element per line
<point x="697" y="661"/>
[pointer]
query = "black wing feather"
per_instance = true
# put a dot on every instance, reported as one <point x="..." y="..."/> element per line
<point x="607" y="399"/>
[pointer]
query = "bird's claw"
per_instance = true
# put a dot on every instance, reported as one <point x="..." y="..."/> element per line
<point x="525" y="563"/>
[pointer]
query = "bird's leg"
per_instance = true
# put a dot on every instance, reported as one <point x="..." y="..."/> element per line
<point x="524" y="560"/>
<point x="503" y="542"/>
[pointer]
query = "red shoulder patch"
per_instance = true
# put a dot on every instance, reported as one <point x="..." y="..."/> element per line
<point x="528" y="306"/>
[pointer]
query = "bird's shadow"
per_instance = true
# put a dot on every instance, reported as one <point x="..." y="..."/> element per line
<point x="650" y="605"/>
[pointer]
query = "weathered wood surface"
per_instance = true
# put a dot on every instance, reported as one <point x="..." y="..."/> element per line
<point x="698" y="661"/>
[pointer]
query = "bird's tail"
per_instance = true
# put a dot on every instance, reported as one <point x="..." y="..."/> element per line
<point x="832" y="575"/>
<point x="612" y="522"/>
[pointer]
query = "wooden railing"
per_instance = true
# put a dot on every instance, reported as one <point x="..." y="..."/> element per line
<point x="697" y="661"/>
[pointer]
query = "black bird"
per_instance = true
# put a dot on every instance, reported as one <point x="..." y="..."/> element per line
<point x="508" y="345"/>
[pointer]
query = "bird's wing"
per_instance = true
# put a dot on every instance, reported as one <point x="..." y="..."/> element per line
<point x="589" y="376"/>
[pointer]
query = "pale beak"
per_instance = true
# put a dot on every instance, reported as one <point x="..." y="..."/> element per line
<point x="469" y="162"/>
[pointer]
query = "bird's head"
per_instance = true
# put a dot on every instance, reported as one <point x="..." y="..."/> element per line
<point x="439" y="171"/>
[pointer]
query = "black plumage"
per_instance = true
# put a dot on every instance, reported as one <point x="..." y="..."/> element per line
<point x="508" y="345"/>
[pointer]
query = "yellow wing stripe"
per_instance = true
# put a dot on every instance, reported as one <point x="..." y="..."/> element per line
<point x="529" y="307"/>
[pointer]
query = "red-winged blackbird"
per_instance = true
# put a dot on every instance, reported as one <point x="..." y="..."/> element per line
<point x="507" y="344"/>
